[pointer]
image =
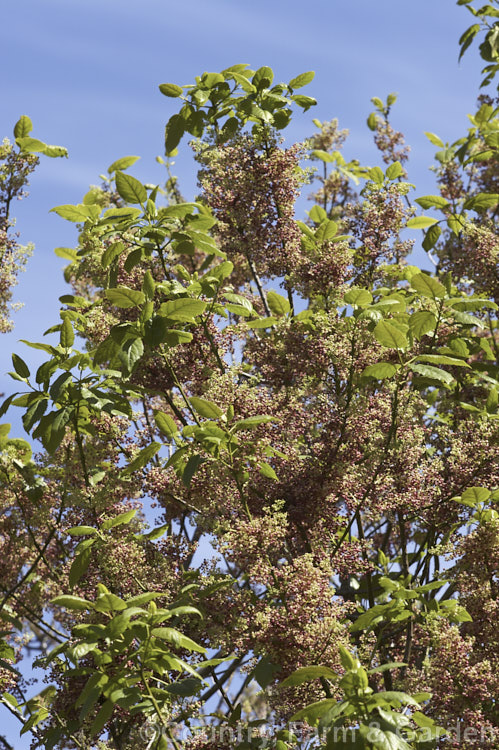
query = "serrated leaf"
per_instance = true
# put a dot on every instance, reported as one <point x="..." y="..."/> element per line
<point x="390" y="336"/>
<point x="278" y="304"/>
<point x="124" y="297"/>
<point x="130" y="189"/>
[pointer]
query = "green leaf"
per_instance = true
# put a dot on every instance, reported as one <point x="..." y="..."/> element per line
<point x="120" y="164"/>
<point x="171" y="89"/>
<point x="261" y="322"/>
<point x="82" y="531"/>
<point x="23" y="127"/>
<point x="396" y="699"/>
<point x="360" y="297"/>
<point x="375" y="174"/>
<point x="435" y="139"/>
<point x="177" y="639"/>
<point x="390" y="336"/>
<point x="124" y="297"/>
<point x="432" y="201"/>
<point x="31" y="145"/>
<point x="102" y="717"/>
<point x="380" y="739"/>
<point x="112" y="252"/>
<point x="183" y="309"/>
<point x="482" y="201"/>
<point x="394" y="170"/>
<point x="326" y="231"/>
<point x="205" y="408"/>
<point x="278" y="304"/>
<point x="20" y="367"/>
<point x="68" y="253"/>
<point x="55" y="151"/>
<point x="476" y="495"/>
<point x="302" y="80"/>
<point x="428" y="286"/>
<point x="72" y="602"/>
<point x="192" y="465"/>
<point x="79" y="566"/>
<point x="421" y="222"/>
<point x="312" y="713"/>
<point x="433" y="373"/>
<point x="442" y="359"/>
<point x="130" y="189"/>
<point x="175" y="129"/>
<point x="121" y="519"/>
<point x="107" y="602"/>
<point x="263" y="78"/>
<point x="431" y="237"/>
<point x="67" y="334"/>
<point x="267" y="471"/>
<point x="77" y="214"/>
<point x="422" y="322"/>
<point x="306" y="674"/>
<point x="466" y="319"/>
<point x="250" y="422"/>
<point x="142" y="458"/>
<point x="380" y="370"/>
<point x="165" y="424"/>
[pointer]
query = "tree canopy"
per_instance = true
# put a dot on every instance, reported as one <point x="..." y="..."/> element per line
<point x="263" y="507"/>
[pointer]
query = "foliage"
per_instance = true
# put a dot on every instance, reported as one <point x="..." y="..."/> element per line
<point x="292" y="394"/>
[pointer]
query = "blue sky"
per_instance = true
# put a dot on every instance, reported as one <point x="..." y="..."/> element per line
<point x="87" y="73"/>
